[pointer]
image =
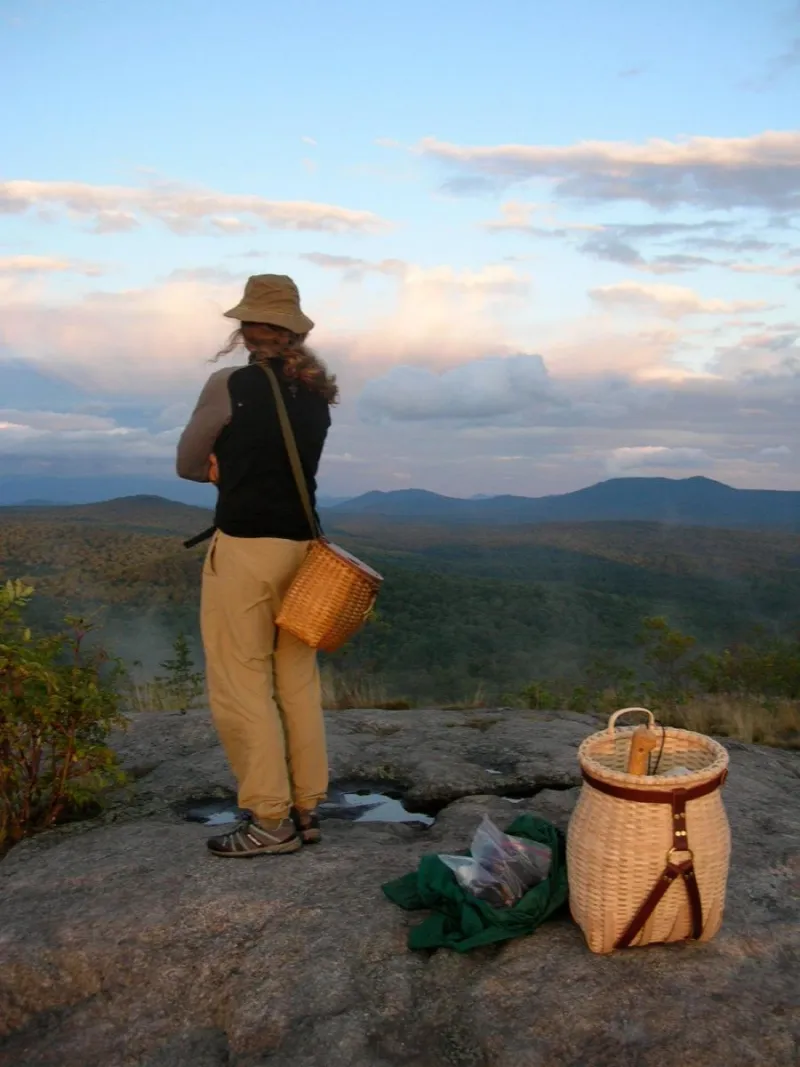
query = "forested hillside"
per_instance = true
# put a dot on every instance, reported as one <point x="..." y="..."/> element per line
<point x="462" y="607"/>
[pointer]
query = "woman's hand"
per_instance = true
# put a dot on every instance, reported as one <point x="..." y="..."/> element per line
<point x="213" y="469"/>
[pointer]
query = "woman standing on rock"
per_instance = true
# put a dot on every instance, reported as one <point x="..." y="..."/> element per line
<point x="264" y="685"/>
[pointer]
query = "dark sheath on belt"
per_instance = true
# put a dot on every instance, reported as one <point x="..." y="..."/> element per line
<point x="199" y="538"/>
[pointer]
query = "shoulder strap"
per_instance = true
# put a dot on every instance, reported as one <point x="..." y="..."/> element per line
<point x="291" y="448"/>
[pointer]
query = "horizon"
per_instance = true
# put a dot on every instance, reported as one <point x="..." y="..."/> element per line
<point x="327" y="502"/>
<point x="565" y="250"/>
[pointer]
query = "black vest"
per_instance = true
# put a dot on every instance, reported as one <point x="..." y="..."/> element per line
<point x="257" y="492"/>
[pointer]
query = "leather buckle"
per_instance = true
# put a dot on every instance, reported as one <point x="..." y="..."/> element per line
<point x="680" y="852"/>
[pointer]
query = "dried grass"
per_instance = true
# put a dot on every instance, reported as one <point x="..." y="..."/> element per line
<point x="757" y="721"/>
<point x="342" y="692"/>
<point x="478" y="701"/>
<point x="143" y="696"/>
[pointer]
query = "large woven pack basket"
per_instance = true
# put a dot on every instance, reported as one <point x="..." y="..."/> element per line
<point x="331" y="597"/>
<point x="648" y="854"/>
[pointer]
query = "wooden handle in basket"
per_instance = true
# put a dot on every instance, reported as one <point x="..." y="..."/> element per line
<point x="643" y="741"/>
<point x="624" y="711"/>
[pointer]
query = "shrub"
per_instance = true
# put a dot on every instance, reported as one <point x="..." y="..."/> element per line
<point x="182" y="683"/>
<point x="666" y="654"/>
<point x="747" y="691"/>
<point x="58" y="704"/>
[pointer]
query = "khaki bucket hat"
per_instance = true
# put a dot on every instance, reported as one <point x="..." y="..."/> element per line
<point x="272" y="299"/>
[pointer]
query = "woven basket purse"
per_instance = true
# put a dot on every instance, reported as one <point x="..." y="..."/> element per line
<point x="648" y="855"/>
<point x="333" y="593"/>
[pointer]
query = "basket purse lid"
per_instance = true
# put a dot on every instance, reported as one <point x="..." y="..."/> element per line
<point x="353" y="561"/>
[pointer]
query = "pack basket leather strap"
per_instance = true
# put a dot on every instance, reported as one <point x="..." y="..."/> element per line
<point x="677" y="799"/>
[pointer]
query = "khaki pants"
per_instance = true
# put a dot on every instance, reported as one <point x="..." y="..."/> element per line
<point x="265" y="693"/>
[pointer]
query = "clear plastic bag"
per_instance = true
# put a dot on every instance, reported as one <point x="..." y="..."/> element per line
<point x="492" y="848"/>
<point x="501" y="869"/>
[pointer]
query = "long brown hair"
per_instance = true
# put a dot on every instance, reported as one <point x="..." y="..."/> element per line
<point x="300" y="363"/>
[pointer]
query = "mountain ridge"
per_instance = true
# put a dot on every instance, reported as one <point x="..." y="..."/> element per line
<point x="696" y="501"/>
<point x="688" y="501"/>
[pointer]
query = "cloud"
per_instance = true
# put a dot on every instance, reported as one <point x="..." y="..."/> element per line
<point x="761" y="171"/>
<point x="434" y="316"/>
<point x="669" y="301"/>
<point x="204" y="274"/>
<point x="159" y="339"/>
<point x="731" y="244"/>
<point x="586" y="350"/>
<point x="765" y="268"/>
<point x="563" y="432"/>
<point x="515" y="217"/>
<point x="494" y="278"/>
<point x="353" y="268"/>
<point x="766" y="351"/>
<point x="515" y="424"/>
<point x="647" y="457"/>
<point x="620" y="242"/>
<point x="778" y="450"/>
<point x="138" y="342"/>
<point x="184" y="210"/>
<point x="110" y="221"/>
<point x="609" y="247"/>
<point x="483" y="389"/>
<point x="20" y="265"/>
<point x="67" y="436"/>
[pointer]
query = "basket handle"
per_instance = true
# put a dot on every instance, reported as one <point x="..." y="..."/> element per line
<point x="624" y="711"/>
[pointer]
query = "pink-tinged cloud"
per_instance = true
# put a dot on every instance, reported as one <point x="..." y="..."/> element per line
<point x="142" y="342"/>
<point x="711" y="172"/>
<point x="669" y="301"/>
<point x="588" y="347"/>
<point x="22" y="265"/>
<point x="111" y="208"/>
<point x="765" y="268"/>
<point x="436" y="316"/>
<point x="517" y="217"/>
<point x="353" y="268"/>
<point x="158" y="341"/>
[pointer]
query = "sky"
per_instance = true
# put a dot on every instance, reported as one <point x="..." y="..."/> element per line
<point x="543" y="245"/>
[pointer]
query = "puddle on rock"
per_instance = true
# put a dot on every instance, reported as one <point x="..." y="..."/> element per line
<point x="355" y="802"/>
<point x="370" y="802"/>
<point x="212" y="811"/>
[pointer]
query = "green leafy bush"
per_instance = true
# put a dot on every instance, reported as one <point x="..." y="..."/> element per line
<point x="58" y="703"/>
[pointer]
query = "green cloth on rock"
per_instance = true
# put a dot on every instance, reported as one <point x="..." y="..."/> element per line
<point x="460" y="921"/>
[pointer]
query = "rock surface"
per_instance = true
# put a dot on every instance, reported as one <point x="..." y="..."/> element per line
<point x="123" y="944"/>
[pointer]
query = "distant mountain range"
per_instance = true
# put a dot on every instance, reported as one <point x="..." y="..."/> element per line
<point x="46" y="490"/>
<point x="680" y="502"/>
<point x="43" y="491"/>
<point x="687" y="502"/>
